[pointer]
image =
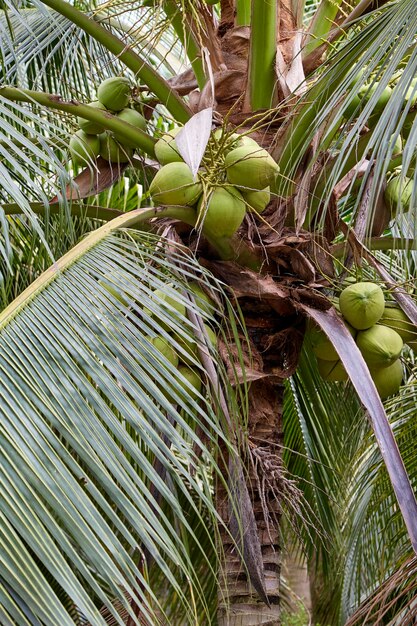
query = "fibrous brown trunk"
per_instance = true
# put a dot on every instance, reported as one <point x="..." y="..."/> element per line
<point x="239" y="603"/>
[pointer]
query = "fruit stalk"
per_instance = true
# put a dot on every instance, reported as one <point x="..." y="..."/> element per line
<point x="243" y="12"/>
<point x="173" y="102"/>
<point x="172" y="11"/>
<point x="262" y="77"/>
<point x="106" y="119"/>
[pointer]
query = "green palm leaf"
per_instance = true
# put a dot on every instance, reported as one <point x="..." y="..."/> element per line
<point x="87" y="416"/>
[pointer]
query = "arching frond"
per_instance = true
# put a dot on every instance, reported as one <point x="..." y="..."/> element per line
<point x="105" y="444"/>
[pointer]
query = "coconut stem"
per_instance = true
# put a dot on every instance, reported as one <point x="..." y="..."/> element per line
<point x="263" y="48"/>
<point x="243" y="12"/>
<point x="192" y="49"/>
<point x="173" y="102"/>
<point x="105" y="118"/>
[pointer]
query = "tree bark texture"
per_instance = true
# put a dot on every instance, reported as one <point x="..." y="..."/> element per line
<point x="239" y="602"/>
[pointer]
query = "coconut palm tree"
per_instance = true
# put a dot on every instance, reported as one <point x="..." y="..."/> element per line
<point x="138" y="491"/>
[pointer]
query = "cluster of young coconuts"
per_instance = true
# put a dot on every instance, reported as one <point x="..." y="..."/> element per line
<point x="235" y="177"/>
<point x="380" y="330"/>
<point x="92" y="140"/>
<point x="185" y="352"/>
<point x="182" y="358"/>
<point x="399" y="187"/>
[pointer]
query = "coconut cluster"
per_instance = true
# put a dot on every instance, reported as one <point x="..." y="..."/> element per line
<point x="235" y="177"/>
<point x="92" y="140"/>
<point x="380" y="330"/>
<point x="372" y="87"/>
<point x="185" y="355"/>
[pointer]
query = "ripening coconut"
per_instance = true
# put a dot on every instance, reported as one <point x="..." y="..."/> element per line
<point x="110" y="283"/>
<point x="83" y="148"/>
<point x="113" y="151"/>
<point x="114" y="93"/>
<point x="174" y="185"/>
<point x="190" y="346"/>
<point x="250" y="167"/>
<point x="362" y="304"/>
<point x="397" y="194"/>
<point x="395" y="318"/>
<point x="257" y="201"/>
<point x="88" y="126"/>
<point x="388" y="379"/>
<point x="166" y="149"/>
<point x="135" y="119"/>
<point x="165" y="302"/>
<point x="203" y="301"/>
<point x="223" y="212"/>
<point x="380" y="345"/>
<point x="332" y="370"/>
<point x="165" y="349"/>
<point x="322" y="346"/>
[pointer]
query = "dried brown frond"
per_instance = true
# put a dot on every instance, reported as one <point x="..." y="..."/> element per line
<point x="394" y="602"/>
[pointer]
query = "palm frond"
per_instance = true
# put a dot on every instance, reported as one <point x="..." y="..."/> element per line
<point x="104" y="444"/>
<point x="323" y="426"/>
<point x="380" y="44"/>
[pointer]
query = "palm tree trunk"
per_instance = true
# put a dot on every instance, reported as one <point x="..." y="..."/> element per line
<point x="239" y="603"/>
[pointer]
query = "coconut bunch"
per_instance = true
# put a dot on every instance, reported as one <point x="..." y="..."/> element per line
<point x="235" y="177"/>
<point x="371" y="87"/>
<point x="186" y="356"/>
<point x="380" y="330"/>
<point x="92" y="140"/>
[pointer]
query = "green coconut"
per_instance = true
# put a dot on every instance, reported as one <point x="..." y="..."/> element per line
<point x="408" y="124"/>
<point x="322" y="346"/>
<point x="223" y="212"/>
<point x="332" y="370"/>
<point x="114" y="93"/>
<point x="166" y="149"/>
<point x="362" y="304"/>
<point x="250" y="167"/>
<point x="388" y="379"/>
<point x="383" y="98"/>
<point x="398" y="194"/>
<point x="190" y="346"/>
<point x="113" y="151"/>
<point x="395" y="318"/>
<point x="135" y="119"/>
<point x="411" y="94"/>
<point x="190" y="387"/>
<point x="165" y="349"/>
<point x="166" y="303"/>
<point x="83" y="148"/>
<point x="231" y="141"/>
<point x="257" y="201"/>
<point x="89" y="127"/>
<point x="353" y="107"/>
<point x="203" y="301"/>
<point x="110" y="284"/>
<point x="380" y="345"/>
<point x="193" y="378"/>
<point x="398" y="144"/>
<point x="174" y="185"/>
